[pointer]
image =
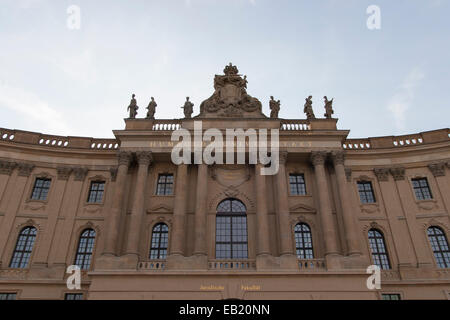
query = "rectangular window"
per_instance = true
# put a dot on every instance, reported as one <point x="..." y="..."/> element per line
<point x="421" y="189"/>
<point x="165" y="185"/>
<point x="297" y="184"/>
<point x="365" y="190"/>
<point x="73" y="296"/>
<point x="96" y="192"/>
<point x="390" y="296"/>
<point x="8" y="296"/>
<point x="40" y="189"/>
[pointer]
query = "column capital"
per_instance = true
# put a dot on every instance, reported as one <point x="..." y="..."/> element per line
<point x="318" y="157"/>
<point x="113" y="172"/>
<point x="144" y="157"/>
<point x="437" y="168"/>
<point x="124" y="158"/>
<point x="63" y="172"/>
<point x="6" y="167"/>
<point x="283" y="157"/>
<point x="25" y="169"/>
<point x="382" y="174"/>
<point x="338" y="157"/>
<point x="398" y="173"/>
<point x="80" y="173"/>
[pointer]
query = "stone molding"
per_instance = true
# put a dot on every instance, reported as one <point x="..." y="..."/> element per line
<point x="283" y="157"/>
<point x="437" y="168"/>
<point x="348" y="174"/>
<point x="382" y="174"/>
<point x="113" y="172"/>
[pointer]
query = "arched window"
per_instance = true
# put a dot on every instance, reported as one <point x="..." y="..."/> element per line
<point x="303" y="241"/>
<point x="85" y="249"/>
<point x="24" y="247"/>
<point x="378" y="249"/>
<point x="160" y="241"/>
<point x="231" y="230"/>
<point x="439" y="245"/>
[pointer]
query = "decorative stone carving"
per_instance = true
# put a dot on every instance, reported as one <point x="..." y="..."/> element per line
<point x="113" y="172"/>
<point x="274" y="107"/>
<point x="398" y="173"/>
<point x="338" y="157"/>
<point x="132" y="108"/>
<point x="144" y="157"/>
<point x="63" y="173"/>
<point x="188" y="108"/>
<point x="308" y="110"/>
<point x="437" y="168"/>
<point x="328" y="107"/>
<point x="25" y="169"/>
<point x="382" y="174"/>
<point x="80" y="173"/>
<point x="318" y="157"/>
<point x="151" y="109"/>
<point x="6" y="167"/>
<point x="230" y="98"/>
<point x="348" y="174"/>
<point x="124" y="158"/>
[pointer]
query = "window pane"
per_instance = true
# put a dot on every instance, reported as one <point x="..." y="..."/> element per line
<point x="439" y="246"/>
<point x="24" y="247"/>
<point x="297" y="184"/>
<point x="159" y="242"/>
<point x="378" y="249"/>
<point x="85" y="249"/>
<point x="165" y="185"/>
<point x="303" y="241"/>
<point x="40" y="189"/>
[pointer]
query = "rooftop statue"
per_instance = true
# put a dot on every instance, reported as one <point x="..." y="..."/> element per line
<point x="328" y="107"/>
<point x="230" y="98"/>
<point x="132" y="108"/>
<point x="308" y="108"/>
<point x="151" y="109"/>
<point x="274" y="107"/>
<point x="188" y="108"/>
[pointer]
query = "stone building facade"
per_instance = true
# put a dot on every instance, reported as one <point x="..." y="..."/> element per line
<point x="142" y="227"/>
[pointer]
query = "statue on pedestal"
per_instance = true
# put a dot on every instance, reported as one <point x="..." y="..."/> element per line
<point x="188" y="108"/>
<point x="308" y="108"/>
<point x="132" y="108"/>
<point x="151" y="109"/>
<point x="328" y="107"/>
<point x="274" y="107"/>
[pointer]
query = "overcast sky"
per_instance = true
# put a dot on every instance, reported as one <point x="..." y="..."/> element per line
<point x="390" y="81"/>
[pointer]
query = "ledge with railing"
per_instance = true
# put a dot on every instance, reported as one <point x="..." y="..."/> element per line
<point x="422" y="138"/>
<point x="152" y="265"/>
<point x="311" y="264"/>
<point x="238" y="265"/>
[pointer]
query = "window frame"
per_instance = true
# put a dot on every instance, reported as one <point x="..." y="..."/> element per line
<point x="296" y="175"/>
<point x="94" y="181"/>
<point x="428" y="186"/>
<point x="8" y="293"/>
<point x="166" y="174"/>
<point x="446" y="263"/>
<point x="74" y="294"/>
<point x="25" y="245"/>
<point x="160" y="237"/>
<point x="237" y="226"/>
<point x="33" y="186"/>
<point x="386" y="250"/>
<point x="372" y="190"/>
<point x="303" y="238"/>
<point x="92" y="253"/>
<point x="390" y="294"/>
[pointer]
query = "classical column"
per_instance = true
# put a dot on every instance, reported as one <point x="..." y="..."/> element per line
<point x="326" y="215"/>
<point x="112" y="231"/>
<point x="137" y="212"/>
<point x="178" y="238"/>
<point x="262" y="218"/>
<point x="347" y="210"/>
<point x="284" y="230"/>
<point x="200" y="210"/>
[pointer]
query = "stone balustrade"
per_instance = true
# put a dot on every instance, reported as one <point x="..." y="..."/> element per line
<point x="311" y="264"/>
<point x="408" y="140"/>
<point x="245" y="264"/>
<point x="152" y="265"/>
<point x="295" y="125"/>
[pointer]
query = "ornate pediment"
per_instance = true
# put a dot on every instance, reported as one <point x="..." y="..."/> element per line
<point x="302" y="208"/>
<point x="230" y="98"/>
